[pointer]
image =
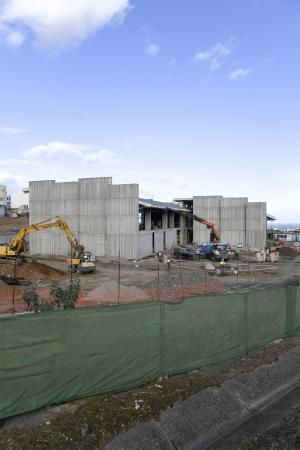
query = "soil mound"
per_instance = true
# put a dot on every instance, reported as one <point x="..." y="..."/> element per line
<point x="31" y="271"/>
<point x="288" y="251"/>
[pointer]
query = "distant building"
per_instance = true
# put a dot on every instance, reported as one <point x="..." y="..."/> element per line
<point x="284" y="235"/>
<point x="5" y="201"/>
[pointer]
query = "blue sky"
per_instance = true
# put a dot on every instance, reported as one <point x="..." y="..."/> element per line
<point x="184" y="98"/>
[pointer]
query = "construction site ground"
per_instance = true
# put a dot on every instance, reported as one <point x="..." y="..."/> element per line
<point x="137" y="274"/>
<point x="141" y="280"/>
<point x="144" y="280"/>
<point x="93" y="422"/>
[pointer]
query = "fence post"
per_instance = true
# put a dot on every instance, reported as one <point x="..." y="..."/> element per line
<point x="13" y="293"/>
<point x="180" y="274"/>
<point x="119" y="278"/>
<point x="158" y="293"/>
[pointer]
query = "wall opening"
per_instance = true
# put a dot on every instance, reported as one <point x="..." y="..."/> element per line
<point x="176" y="220"/>
<point x="156" y="219"/>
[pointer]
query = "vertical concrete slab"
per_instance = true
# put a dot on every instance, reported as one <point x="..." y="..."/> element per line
<point x="93" y="214"/>
<point x="144" y="244"/>
<point x="48" y="200"/>
<point x="171" y="219"/>
<point x="165" y="220"/>
<point x="158" y="241"/>
<point x="147" y="219"/>
<point x="183" y="232"/>
<point x="206" y="207"/>
<point x="256" y="223"/>
<point x="122" y="209"/>
<point x="233" y="220"/>
<point x="170" y="239"/>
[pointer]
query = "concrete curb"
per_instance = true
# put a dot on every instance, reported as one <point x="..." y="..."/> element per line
<point x="204" y="418"/>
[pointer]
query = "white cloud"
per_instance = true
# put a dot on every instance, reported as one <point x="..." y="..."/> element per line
<point x="239" y="73"/>
<point x="103" y="155"/>
<point x="9" y="36"/>
<point x="216" y="53"/>
<point x="11" y="131"/>
<point x="58" y="150"/>
<point x="152" y="49"/>
<point x="57" y="24"/>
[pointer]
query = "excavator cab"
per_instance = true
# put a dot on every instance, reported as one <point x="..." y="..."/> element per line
<point x="83" y="264"/>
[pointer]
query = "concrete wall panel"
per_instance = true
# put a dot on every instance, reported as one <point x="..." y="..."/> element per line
<point x="233" y="220"/>
<point x="171" y="236"/>
<point x="122" y="207"/>
<point x="238" y="220"/>
<point x="159" y="241"/>
<point x="256" y="225"/>
<point x="207" y="208"/>
<point x="103" y="217"/>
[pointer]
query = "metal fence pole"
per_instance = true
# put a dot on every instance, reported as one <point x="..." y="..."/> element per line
<point x="71" y="267"/>
<point x="119" y="278"/>
<point x="14" y="287"/>
<point x="180" y="274"/>
<point x="158" y="293"/>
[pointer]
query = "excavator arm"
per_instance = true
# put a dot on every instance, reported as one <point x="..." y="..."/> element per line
<point x="17" y="243"/>
<point x="214" y="232"/>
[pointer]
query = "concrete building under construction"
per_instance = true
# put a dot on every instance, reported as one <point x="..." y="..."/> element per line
<point x="112" y="220"/>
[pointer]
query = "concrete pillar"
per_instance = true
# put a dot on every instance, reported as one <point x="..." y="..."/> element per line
<point x="183" y="237"/>
<point x="148" y="219"/>
<point x="165" y="220"/>
<point x="171" y="219"/>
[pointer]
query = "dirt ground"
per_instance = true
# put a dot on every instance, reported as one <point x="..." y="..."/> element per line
<point x="93" y="422"/>
<point x="139" y="279"/>
<point x="144" y="280"/>
<point x="32" y="271"/>
<point x="140" y="274"/>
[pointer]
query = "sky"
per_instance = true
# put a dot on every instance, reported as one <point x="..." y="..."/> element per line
<point x="195" y="97"/>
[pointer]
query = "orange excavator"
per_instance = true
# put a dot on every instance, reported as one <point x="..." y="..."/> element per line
<point x="214" y="232"/>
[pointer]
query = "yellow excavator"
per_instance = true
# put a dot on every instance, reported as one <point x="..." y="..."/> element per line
<point x="80" y="260"/>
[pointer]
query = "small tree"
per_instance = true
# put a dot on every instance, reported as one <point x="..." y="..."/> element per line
<point x="65" y="298"/>
<point x="32" y="298"/>
<point x="57" y="295"/>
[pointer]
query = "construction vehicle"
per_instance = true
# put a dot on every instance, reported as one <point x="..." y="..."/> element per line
<point x="214" y="233"/>
<point x="80" y="260"/>
<point x="214" y="250"/>
<point x="82" y="264"/>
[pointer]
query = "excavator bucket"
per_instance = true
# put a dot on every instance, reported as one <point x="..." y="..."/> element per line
<point x="79" y="250"/>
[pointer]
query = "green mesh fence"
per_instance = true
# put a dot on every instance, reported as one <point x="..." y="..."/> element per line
<point x="50" y="358"/>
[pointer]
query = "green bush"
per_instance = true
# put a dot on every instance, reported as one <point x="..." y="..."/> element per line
<point x="59" y="297"/>
<point x="65" y="298"/>
<point x="32" y="298"/>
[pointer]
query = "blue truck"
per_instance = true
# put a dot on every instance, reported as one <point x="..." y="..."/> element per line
<point x="216" y="251"/>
